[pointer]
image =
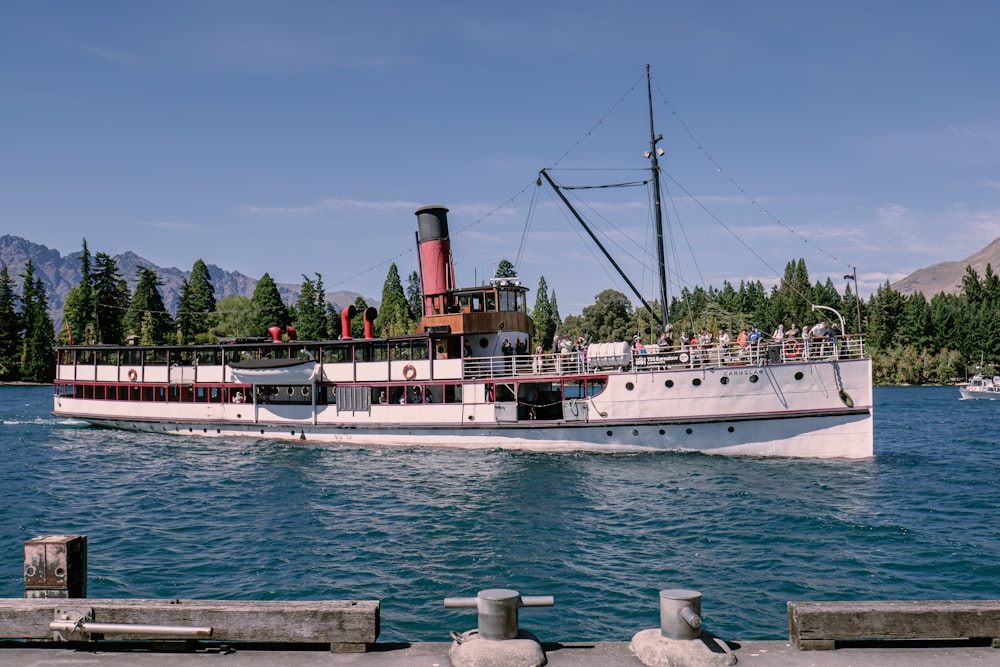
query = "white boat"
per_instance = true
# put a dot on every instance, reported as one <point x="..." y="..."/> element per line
<point x="449" y="385"/>
<point x="981" y="386"/>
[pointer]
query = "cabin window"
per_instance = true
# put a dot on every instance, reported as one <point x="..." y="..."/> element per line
<point x="131" y="357"/>
<point x="409" y="349"/>
<point x="84" y="357"/>
<point x="211" y="357"/>
<point x="337" y="355"/>
<point x="156" y="357"/>
<point x="380" y="353"/>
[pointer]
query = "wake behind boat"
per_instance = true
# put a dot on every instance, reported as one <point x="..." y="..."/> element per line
<point x="452" y="384"/>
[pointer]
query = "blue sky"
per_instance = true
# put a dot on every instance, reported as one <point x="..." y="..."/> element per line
<point x="299" y="136"/>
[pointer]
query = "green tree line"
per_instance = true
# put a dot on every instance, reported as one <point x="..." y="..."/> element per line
<point x="912" y="340"/>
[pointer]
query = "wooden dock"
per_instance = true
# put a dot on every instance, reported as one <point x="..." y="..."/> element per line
<point x="345" y="626"/>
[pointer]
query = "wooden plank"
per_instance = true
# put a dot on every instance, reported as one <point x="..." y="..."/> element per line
<point x="818" y="625"/>
<point x="335" y="622"/>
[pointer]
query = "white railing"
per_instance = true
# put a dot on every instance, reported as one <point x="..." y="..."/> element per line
<point x="652" y="357"/>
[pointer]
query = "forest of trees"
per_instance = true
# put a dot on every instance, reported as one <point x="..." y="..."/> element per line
<point x="911" y="340"/>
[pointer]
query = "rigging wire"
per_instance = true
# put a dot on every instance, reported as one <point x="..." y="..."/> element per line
<point x="746" y="195"/>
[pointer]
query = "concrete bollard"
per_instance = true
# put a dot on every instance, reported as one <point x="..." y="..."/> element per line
<point x="679" y="641"/>
<point x="498" y="640"/>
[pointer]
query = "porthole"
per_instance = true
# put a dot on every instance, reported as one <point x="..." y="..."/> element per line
<point x="262" y="431"/>
<point x="696" y="382"/>
<point x="609" y="433"/>
<point x="754" y="378"/>
<point x="484" y="342"/>
<point x="798" y="375"/>
<point x="290" y="391"/>
<point x="662" y="432"/>
<point x="688" y="431"/>
<point x="305" y="391"/>
<point x="731" y="429"/>
<point x="724" y="380"/>
<point x="218" y="430"/>
<point x="668" y="384"/>
<point x="635" y="431"/>
<point x="472" y="417"/>
<point x="629" y="386"/>
<point x="293" y="433"/>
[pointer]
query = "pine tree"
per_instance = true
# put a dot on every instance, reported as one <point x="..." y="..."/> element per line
<point x="554" y="305"/>
<point x="266" y="308"/>
<point x="310" y="310"/>
<point x="196" y="304"/>
<point x="413" y="298"/>
<point x="394" y="312"/>
<point x="506" y="270"/>
<point x="111" y="298"/>
<point x="10" y="328"/>
<point x="78" y="307"/>
<point x="147" y="317"/>
<point x="38" y="356"/>
<point x="545" y="328"/>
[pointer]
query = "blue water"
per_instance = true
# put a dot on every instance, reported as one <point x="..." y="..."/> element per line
<point x="172" y="517"/>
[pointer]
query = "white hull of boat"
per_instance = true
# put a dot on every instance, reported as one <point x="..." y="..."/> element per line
<point x="821" y="410"/>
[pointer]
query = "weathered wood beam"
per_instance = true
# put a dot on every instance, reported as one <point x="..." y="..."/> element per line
<point x="344" y="625"/>
<point x="818" y="625"/>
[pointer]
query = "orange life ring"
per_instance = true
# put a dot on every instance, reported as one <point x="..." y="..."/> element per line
<point x="409" y="372"/>
<point x="132" y="375"/>
<point x="792" y="349"/>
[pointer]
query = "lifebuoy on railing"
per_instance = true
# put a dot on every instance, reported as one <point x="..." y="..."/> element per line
<point x="409" y="372"/>
<point x="132" y="375"/>
<point x="792" y="349"/>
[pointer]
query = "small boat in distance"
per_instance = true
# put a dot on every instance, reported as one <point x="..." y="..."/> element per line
<point x="981" y="386"/>
<point x="457" y="382"/>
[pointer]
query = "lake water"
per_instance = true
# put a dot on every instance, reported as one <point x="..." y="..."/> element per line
<point x="175" y="517"/>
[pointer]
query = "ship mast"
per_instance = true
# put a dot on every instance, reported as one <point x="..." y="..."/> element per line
<point x="652" y="154"/>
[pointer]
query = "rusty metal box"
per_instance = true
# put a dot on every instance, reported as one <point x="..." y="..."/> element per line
<point x="55" y="566"/>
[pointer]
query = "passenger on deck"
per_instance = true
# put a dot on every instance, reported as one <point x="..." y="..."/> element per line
<point x="779" y="333"/>
<point x="538" y="360"/>
<point x="724" y="341"/>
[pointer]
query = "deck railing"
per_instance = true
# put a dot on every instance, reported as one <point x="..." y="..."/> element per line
<point x="652" y="357"/>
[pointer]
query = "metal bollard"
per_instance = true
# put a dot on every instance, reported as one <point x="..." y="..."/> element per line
<point x="680" y="613"/>
<point x="498" y="610"/>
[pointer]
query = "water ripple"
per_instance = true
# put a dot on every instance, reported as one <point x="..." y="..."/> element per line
<point x="175" y="517"/>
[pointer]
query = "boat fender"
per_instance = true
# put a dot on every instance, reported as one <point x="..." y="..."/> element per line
<point x="132" y="375"/>
<point x="792" y="349"/>
<point x="409" y="372"/>
<point x="846" y="398"/>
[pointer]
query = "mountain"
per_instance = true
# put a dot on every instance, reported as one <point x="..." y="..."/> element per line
<point x="62" y="273"/>
<point x="947" y="276"/>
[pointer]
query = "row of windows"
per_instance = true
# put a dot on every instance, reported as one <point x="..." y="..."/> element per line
<point x="391" y="394"/>
<point x="360" y="351"/>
